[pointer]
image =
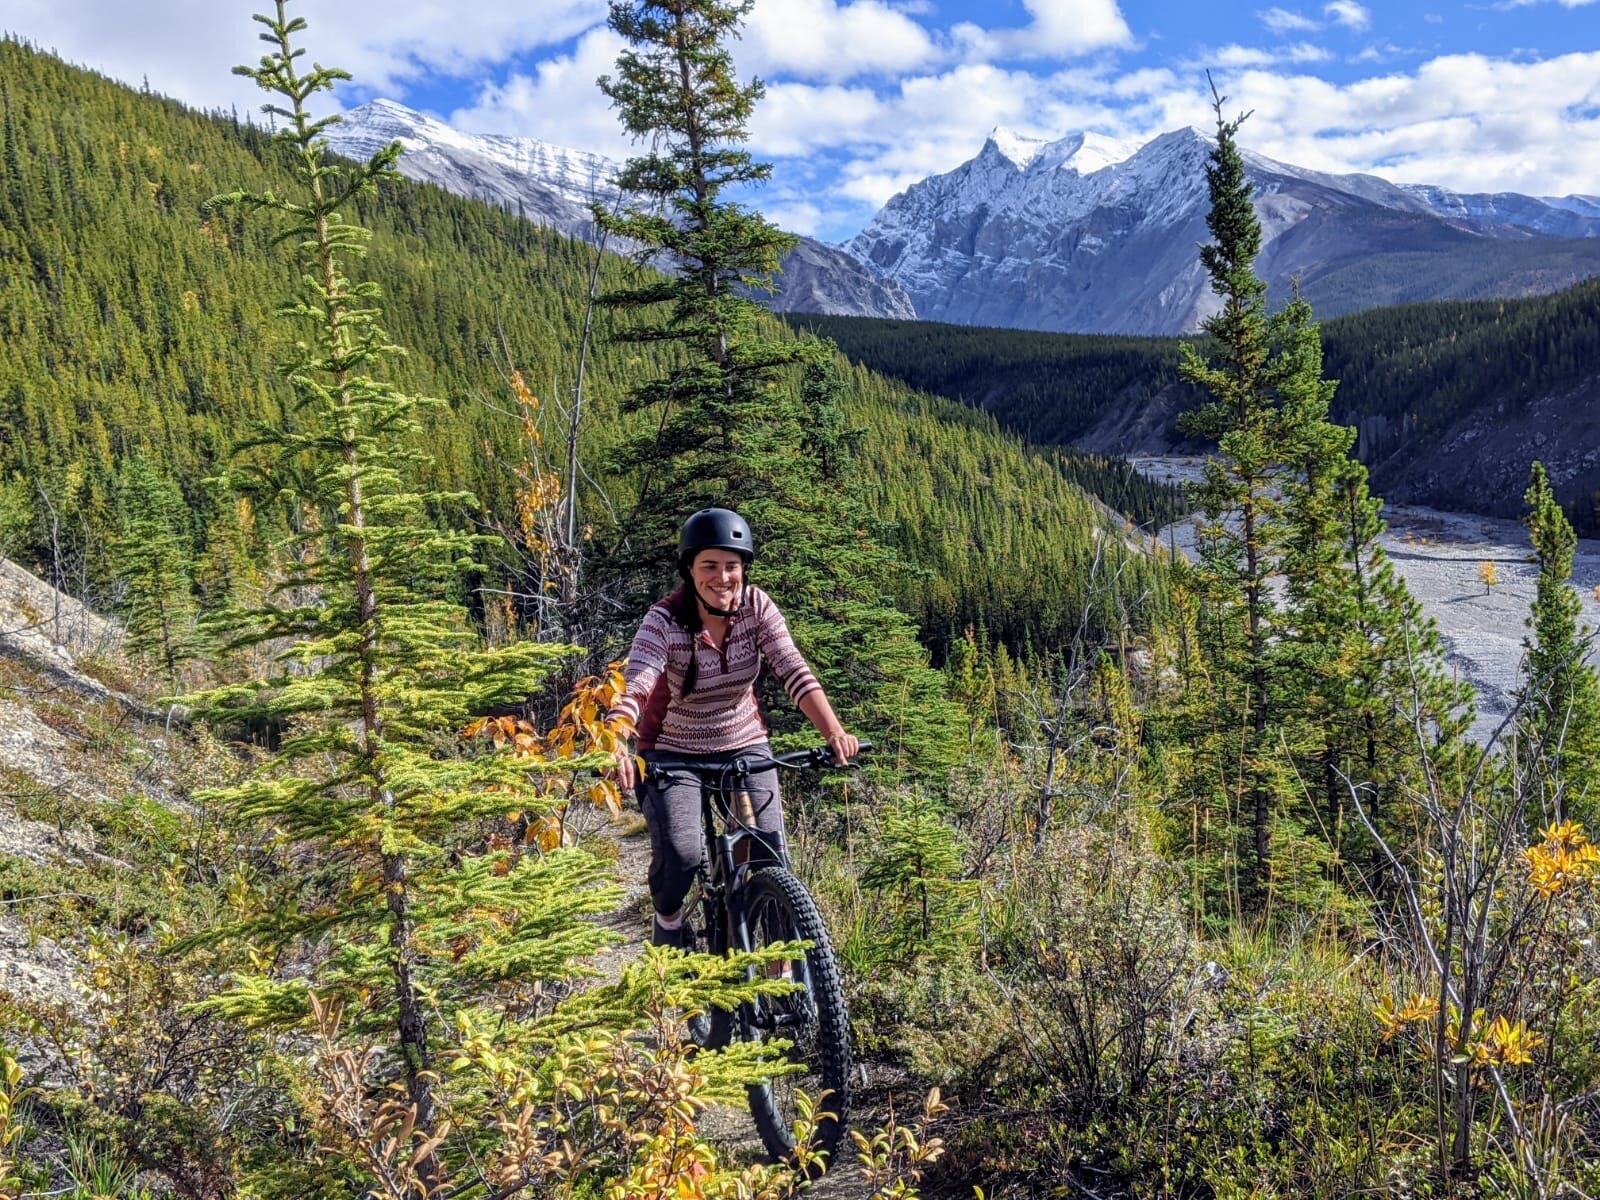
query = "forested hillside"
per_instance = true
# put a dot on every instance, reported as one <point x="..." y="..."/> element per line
<point x="1408" y="377"/>
<point x="137" y="324"/>
<point x="1052" y="386"/>
<point x="1173" y="880"/>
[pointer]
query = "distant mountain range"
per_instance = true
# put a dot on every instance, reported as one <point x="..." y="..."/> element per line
<point x="1089" y="234"/>
<point x="554" y="186"/>
<point x="1085" y="233"/>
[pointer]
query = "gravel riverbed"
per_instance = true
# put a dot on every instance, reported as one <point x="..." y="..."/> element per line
<point x="1440" y="554"/>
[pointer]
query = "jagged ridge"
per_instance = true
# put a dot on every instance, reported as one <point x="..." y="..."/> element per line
<point x="1090" y="234"/>
<point x="556" y="185"/>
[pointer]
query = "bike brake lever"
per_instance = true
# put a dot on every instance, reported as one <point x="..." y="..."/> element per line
<point x="822" y="756"/>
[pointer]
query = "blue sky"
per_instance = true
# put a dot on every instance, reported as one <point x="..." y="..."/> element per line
<point x="867" y="96"/>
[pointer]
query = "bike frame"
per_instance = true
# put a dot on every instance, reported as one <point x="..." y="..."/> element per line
<point x="723" y="871"/>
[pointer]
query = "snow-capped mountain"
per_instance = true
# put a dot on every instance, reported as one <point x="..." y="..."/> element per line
<point x="1090" y="234"/>
<point x="1554" y="216"/>
<point x="554" y="186"/>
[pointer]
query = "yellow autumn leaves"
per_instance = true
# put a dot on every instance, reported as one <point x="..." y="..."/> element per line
<point x="580" y="729"/>
<point x="1559" y="863"/>
<point x="1564" y="859"/>
<point x="1395" y="1018"/>
<point x="1499" y="1043"/>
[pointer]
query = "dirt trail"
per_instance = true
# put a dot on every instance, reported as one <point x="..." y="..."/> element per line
<point x="730" y="1130"/>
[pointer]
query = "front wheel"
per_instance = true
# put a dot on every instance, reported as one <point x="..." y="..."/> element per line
<point x="779" y="909"/>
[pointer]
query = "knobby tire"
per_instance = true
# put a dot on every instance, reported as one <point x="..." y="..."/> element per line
<point x="779" y="909"/>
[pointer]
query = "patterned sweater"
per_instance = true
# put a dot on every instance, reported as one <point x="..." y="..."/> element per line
<point x="721" y="713"/>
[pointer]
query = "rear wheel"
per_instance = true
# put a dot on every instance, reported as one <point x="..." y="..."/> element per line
<point x="813" y="1019"/>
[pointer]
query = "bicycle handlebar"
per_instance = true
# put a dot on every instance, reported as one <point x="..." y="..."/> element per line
<point x="794" y="760"/>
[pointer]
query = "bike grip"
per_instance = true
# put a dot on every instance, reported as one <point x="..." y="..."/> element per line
<point x="824" y="755"/>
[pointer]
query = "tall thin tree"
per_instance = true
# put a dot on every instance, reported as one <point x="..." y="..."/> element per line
<point x="1241" y="492"/>
<point x="721" y="419"/>
<point x="377" y="666"/>
<point x="1561" y="698"/>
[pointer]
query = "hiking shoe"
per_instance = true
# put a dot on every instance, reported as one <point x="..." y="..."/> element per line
<point x="681" y="937"/>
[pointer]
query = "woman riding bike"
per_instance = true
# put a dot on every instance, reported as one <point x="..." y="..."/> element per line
<point x="690" y="696"/>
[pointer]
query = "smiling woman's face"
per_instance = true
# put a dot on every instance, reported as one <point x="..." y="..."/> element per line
<point x="718" y="575"/>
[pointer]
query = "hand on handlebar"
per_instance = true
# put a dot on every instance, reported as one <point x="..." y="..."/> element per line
<point x="843" y="747"/>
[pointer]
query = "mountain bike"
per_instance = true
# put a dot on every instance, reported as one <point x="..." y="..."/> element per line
<point x="748" y="899"/>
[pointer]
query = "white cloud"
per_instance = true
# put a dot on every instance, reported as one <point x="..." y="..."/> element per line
<point x="1281" y="21"/>
<point x="1509" y="4"/>
<point x="1305" y="52"/>
<point x="1239" y="56"/>
<point x="1059" y="29"/>
<point x="796" y="216"/>
<point x="1348" y="13"/>
<point x="1380" y="52"/>
<point x="186" y="47"/>
<point x="796" y="118"/>
<point x="1235" y="55"/>
<point x="558" y="101"/>
<point x="1466" y="121"/>
<point x="822" y="39"/>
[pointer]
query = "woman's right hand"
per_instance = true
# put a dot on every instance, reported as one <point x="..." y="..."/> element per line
<point x="627" y="773"/>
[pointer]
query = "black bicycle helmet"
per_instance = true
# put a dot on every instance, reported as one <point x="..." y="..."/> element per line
<point x="715" y="529"/>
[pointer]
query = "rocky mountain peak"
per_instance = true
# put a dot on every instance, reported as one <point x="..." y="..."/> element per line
<point x="1091" y="234"/>
<point x="1084" y="152"/>
<point x="555" y="185"/>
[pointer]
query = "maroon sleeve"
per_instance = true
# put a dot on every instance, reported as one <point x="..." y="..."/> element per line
<point x="647" y="662"/>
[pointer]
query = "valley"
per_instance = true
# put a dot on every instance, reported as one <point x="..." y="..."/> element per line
<point x="378" y="495"/>
<point x="1441" y="555"/>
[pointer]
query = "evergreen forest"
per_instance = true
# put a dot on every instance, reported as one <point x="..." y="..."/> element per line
<point x="1407" y="374"/>
<point x="125" y="308"/>
<point x="320" y="878"/>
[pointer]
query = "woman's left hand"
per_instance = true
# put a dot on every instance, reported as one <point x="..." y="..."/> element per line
<point x="843" y="746"/>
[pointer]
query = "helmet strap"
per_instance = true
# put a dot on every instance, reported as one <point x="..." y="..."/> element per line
<point x="712" y="609"/>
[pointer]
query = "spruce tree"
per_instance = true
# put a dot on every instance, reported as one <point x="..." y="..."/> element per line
<point x="154" y="563"/>
<point x="405" y="916"/>
<point x="825" y="559"/>
<point x="1561" y="698"/>
<point x="735" y="427"/>
<point x="1362" y="671"/>
<point x="723" y="422"/>
<point x="926" y="905"/>
<point x="1241" y="491"/>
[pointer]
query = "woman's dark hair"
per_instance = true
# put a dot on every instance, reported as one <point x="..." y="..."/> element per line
<point x="681" y="607"/>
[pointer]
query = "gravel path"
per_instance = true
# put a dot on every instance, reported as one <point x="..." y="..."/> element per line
<point x="730" y="1130"/>
<point x="1440" y="555"/>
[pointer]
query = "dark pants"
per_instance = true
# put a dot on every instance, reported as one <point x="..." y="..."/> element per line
<point x="671" y="802"/>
